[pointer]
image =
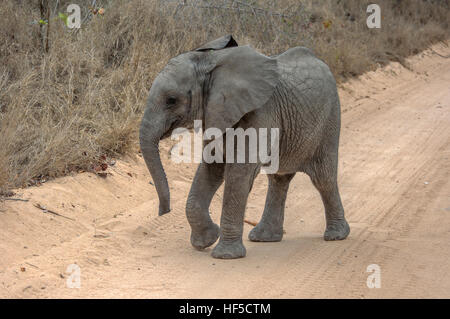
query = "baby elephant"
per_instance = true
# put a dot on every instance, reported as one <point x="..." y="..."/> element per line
<point x="229" y="86"/>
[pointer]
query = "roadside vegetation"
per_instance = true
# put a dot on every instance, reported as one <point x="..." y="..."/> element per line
<point x="71" y="97"/>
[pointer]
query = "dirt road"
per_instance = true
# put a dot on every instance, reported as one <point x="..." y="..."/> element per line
<point x="394" y="177"/>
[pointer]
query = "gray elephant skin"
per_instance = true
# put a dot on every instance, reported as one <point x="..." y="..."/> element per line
<point x="231" y="86"/>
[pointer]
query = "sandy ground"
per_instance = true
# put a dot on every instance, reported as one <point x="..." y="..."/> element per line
<point x="395" y="182"/>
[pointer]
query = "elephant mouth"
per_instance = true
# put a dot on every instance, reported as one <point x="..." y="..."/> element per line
<point x="175" y="122"/>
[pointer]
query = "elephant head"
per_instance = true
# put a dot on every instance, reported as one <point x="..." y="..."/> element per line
<point x="217" y="83"/>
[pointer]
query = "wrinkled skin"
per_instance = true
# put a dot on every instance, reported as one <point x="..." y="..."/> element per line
<point x="226" y="85"/>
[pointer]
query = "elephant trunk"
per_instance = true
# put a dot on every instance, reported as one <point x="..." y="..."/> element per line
<point x="150" y="133"/>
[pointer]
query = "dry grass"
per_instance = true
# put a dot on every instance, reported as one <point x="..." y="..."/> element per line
<point x="61" y="110"/>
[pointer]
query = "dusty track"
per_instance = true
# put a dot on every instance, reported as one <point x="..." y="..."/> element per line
<point x="395" y="182"/>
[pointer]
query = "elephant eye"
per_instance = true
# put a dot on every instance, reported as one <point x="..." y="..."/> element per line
<point x="170" y="101"/>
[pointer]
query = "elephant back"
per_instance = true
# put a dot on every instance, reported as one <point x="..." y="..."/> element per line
<point x="294" y="54"/>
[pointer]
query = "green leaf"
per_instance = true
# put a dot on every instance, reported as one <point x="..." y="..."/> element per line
<point x="63" y="17"/>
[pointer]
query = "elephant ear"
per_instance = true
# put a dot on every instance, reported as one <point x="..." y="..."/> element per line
<point x="241" y="81"/>
<point x="224" y="42"/>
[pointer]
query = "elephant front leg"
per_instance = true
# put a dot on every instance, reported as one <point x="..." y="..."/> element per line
<point x="207" y="180"/>
<point x="270" y="228"/>
<point x="238" y="183"/>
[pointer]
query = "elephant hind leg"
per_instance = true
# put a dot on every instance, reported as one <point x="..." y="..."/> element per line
<point x="270" y="228"/>
<point x="323" y="174"/>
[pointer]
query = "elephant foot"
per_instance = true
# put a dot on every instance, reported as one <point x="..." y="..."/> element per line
<point x="205" y="238"/>
<point x="229" y="250"/>
<point x="265" y="233"/>
<point x="337" y="230"/>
